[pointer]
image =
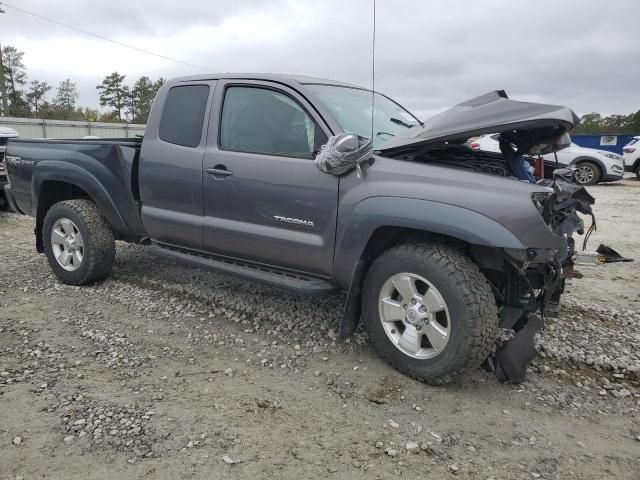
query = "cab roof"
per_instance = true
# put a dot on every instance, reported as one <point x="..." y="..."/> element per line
<point x="291" y="80"/>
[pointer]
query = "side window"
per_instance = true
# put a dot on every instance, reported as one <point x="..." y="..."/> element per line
<point x="183" y="115"/>
<point x="265" y="121"/>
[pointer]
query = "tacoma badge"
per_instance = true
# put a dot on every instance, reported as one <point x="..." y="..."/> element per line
<point x="295" y="221"/>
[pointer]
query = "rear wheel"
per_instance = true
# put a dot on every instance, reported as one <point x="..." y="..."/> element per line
<point x="638" y="171"/>
<point x="78" y="242"/>
<point x="587" y="173"/>
<point x="429" y="311"/>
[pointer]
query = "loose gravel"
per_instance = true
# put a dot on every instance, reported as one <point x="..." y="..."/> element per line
<point x="168" y="368"/>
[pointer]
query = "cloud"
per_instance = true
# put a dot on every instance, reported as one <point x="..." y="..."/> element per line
<point x="429" y="54"/>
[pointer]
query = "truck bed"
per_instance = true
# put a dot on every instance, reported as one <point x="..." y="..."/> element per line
<point x="105" y="170"/>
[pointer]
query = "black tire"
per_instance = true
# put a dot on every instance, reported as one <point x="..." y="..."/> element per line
<point x="596" y="173"/>
<point x="638" y="172"/>
<point x="469" y="299"/>
<point x="99" y="243"/>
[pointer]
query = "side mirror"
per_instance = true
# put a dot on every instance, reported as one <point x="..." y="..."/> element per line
<point x="343" y="152"/>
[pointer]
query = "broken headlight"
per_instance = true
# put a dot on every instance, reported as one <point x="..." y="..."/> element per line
<point x="539" y="200"/>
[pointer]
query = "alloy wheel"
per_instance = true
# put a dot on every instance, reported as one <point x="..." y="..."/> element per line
<point x="584" y="174"/>
<point x="414" y="316"/>
<point x="67" y="244"/>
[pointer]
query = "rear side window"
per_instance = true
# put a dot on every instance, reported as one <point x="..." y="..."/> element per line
<point x="261" y="120"/>
<point x="183" y="115"/>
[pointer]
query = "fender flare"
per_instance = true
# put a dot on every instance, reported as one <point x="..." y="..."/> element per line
<point x="584" y="158"/>
<point x="434" y="217"/>
<point x="60" y="171"/>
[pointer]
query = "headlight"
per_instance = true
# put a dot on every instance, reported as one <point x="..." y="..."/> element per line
<point x="539" y="200"/>
<point x="613" y="156"/>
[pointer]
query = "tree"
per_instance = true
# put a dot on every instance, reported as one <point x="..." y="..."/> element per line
<point x="66" y="98"/>
<point x="142" y="95"/>
<point x="114" y="93"/>
<point x="589" y="123"/>
<point x="36" y="94"/>
<point x="15" y="76"/>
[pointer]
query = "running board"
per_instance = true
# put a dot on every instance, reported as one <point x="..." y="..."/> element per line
<point x="295" y="282"/>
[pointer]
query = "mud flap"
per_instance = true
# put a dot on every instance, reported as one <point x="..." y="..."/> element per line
<point x="510" y="361"/>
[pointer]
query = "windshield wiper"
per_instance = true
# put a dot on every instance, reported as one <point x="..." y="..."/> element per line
<point x="384" y="133"/>
<point x="397" y="121"/>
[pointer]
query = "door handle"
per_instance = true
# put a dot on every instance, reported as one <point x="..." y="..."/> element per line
<point x="218" y="171"/>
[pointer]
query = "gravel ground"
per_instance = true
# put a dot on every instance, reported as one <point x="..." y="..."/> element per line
<point x="166" y="371"/>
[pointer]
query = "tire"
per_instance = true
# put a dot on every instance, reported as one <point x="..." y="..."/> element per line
<point x="88" y="242"/>
<point x="470" y="306"/>
<point x="587" y="173"/>
<point x="638" y="172"/>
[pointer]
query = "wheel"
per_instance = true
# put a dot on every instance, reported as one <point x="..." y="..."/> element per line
<point x="587" y="173"/>
<point x="78" y="242"/>
<point x="429" y="311"/>
<point x="638" y="171"/>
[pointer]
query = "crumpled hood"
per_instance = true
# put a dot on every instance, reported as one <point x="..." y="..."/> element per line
<point x="537" y="127"/>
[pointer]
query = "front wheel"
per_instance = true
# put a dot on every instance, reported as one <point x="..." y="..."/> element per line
<point x="429" y="311"/>
<point x="78" y="242"/>
<point x="638" y="172"/>
<point x="587" y="173"/>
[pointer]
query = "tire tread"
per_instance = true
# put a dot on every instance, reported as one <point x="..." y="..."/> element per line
<point x="481" y="324"/>
<point x="101" y="239"/>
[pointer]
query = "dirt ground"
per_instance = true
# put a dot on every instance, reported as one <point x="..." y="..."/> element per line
<point x="166" y="371"/>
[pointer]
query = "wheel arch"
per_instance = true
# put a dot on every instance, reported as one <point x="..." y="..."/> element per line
<point x="72" y="182"/>
<point x="373" y="234"/>
<point x="598" y="163"/>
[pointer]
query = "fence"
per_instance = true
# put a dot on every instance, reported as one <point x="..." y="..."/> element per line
<point x="611" y="143"/>
<point x="40" y="128"/>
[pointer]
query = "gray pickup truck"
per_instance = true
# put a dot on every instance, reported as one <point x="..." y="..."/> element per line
<point x="437" y="246"/>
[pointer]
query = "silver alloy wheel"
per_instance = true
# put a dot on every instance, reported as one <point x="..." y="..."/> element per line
<point x="414" y="316"/>
<point x="584" y="174"/>
<point x="67" y="244"/>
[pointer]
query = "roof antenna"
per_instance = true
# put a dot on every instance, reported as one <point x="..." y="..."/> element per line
<point x="373" y="66"/>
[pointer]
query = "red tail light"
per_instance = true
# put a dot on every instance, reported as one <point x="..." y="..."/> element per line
<point x="474" y="146"/>
<point x="628" y="149"/>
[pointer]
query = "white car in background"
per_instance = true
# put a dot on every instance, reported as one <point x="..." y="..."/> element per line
<point x="592" y="166"/>
<point x="631" y="155"/>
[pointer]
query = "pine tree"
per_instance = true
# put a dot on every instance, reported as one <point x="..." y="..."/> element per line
<point x="66" y="98"/>
<point x="114" y="93"/>
<point x="35" y="96"/>
<point x="15" y="74"/>
<point x="143" y="93"/>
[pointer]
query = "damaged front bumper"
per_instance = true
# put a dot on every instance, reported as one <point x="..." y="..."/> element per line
<point x="533" y="279"/>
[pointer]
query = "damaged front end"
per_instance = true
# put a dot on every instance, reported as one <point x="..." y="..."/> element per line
<point x="529" y="286"/>
<point x="527" y="283"/>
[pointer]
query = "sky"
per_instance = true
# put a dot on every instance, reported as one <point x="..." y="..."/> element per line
<point x="429" y="55"/>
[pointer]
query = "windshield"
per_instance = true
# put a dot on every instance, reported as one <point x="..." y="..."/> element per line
<point x="351" y="108"/>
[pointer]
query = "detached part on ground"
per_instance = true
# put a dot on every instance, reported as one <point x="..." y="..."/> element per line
<point x="438" y="247"/>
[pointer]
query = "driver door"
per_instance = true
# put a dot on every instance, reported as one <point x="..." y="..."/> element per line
<point x="264" y="198"/>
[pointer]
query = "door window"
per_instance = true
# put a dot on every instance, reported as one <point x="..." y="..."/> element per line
<point x="183" y="115"/>
<point x="261" y="120"/>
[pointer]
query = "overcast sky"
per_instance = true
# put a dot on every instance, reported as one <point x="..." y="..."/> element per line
<point x="430" y="54"/>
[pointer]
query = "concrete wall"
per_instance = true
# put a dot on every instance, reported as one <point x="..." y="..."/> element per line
<point x="39" y="128"/>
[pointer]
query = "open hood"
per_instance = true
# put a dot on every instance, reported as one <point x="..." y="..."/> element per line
<point x="532" y="127"/>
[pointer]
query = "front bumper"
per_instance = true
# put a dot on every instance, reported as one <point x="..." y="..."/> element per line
<point x="612" y="177"/>
<point x="8" y="194"/>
